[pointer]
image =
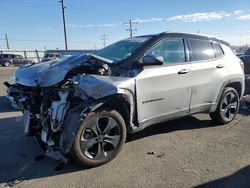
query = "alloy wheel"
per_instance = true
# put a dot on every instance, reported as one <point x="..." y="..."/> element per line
<point x="229" y="106"/>
<point x="100" y="137"/>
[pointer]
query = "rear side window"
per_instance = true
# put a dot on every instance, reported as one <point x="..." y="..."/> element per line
<point x="172" y="50"/>
<point x="201" y="50"/>
<point x="218" y="50"/>
<point x="5" y="56"/>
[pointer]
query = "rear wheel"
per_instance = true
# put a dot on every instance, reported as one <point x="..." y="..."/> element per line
<point x="6" y="63"/>
<point x="100" y="138"/>
<point x="227" y="108"/>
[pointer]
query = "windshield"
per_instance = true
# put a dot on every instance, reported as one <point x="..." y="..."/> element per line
<point x="122" y="49"/>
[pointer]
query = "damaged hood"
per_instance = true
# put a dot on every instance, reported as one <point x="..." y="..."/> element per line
<point x="48" y="73"/>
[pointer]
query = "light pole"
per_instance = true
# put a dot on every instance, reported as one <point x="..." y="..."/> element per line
<point x="64" y="25"/>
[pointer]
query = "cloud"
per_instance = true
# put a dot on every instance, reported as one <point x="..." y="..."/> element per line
<point x="108" y="25"/>
<point x="237" y="12"/>
<point x="140" y="20"/>
<point x="244" y="17"/>
<point x="200" y="17"/>
<point x="94" y="25"/>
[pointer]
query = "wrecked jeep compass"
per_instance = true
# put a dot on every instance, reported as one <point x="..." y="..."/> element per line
<point x="83" y="106"/>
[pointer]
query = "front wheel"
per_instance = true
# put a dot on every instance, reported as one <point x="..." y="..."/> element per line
<point x="227" y="108"/>
<point x="99" y="138"/>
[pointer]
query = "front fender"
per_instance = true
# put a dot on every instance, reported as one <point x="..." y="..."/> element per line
<point x="74" y="118"/>
<point x="77" y="114"/>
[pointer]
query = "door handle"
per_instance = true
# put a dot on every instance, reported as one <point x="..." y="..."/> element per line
<point x="184" y="71"/>
<point x="220" y="66"/>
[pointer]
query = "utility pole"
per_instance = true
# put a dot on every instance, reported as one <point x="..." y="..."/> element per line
<point x="131" y="30"/>
<point x="198" y="31"/>
<point x="64" y="25"/>
<point x="104" y="38"/>
<point x="7" y="41"/>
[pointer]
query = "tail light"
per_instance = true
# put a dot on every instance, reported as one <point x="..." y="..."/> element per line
<point x="242" y="65"/>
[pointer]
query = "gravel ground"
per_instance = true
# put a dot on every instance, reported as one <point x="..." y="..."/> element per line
<point x="190" y="152"/>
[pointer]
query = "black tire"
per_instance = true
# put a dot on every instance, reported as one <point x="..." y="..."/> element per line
<point x="6" y="63"/>
<point x="227" y="108"/>
<point x="96" y="143"/>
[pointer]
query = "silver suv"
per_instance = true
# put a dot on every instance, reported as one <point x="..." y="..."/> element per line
<point x="83" y="106"/>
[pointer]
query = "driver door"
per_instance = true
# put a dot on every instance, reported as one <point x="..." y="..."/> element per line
<point x="164" y="91"/>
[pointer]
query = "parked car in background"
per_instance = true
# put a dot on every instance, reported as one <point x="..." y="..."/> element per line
<point x="50" y="56"/>
<point x="245" y="58"/>
<point x="82" y="107"/>
<point x="13" y="59"/>
<point x="57" y="54"/>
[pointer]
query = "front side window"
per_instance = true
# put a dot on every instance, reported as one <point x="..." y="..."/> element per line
<point x="172" y="50"/>
<point x="201" y="50"/>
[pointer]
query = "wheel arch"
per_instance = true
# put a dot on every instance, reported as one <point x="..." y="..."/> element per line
<point x="124" y="104"/>
<point x="237" y="84"/>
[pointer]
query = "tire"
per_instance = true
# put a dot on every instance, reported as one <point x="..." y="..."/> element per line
<point x="227" y="108"/>
<point x="6" y="63"/>
<point x="99" y="138"/>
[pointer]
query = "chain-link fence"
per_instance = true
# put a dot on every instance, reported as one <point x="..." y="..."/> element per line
<point x="34" y="55"/>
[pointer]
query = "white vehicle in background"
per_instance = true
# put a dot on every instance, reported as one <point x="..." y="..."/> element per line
<point x="57" y="54"/>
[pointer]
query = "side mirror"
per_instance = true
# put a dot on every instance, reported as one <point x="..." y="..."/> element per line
<point x="152" y="60"/>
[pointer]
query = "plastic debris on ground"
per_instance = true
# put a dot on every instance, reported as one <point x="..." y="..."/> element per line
<point x="15" y="181"/>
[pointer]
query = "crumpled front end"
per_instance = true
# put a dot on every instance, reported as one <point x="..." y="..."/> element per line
<point x="53" y="114"/>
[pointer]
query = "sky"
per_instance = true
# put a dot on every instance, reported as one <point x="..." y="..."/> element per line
<point x="37" y="24"/>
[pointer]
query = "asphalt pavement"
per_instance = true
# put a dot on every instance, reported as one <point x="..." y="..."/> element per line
<point x="189" y="152"/>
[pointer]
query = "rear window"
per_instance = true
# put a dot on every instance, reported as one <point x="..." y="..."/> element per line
<point x="218" y="50"/>
<point x="201" y="50"/>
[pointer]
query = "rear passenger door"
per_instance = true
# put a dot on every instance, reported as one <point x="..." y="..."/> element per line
<point x="209" y="73"/>
<point x="14" y="59"/>
<point x="164" y="91"/>
<point x="17" y="60"/>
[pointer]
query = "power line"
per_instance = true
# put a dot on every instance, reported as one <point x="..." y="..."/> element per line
<point x="131" y="30"/>
<point x="42" y="40"/>
<point x="64" y="25"/>
<point x="104" y="38"/>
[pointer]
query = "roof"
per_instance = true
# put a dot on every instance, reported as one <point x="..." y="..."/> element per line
<point x="187" y="35"/>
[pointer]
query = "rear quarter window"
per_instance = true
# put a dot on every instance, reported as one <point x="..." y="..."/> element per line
<point x="218" y="50"/>
<point x="201" y="50"/>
